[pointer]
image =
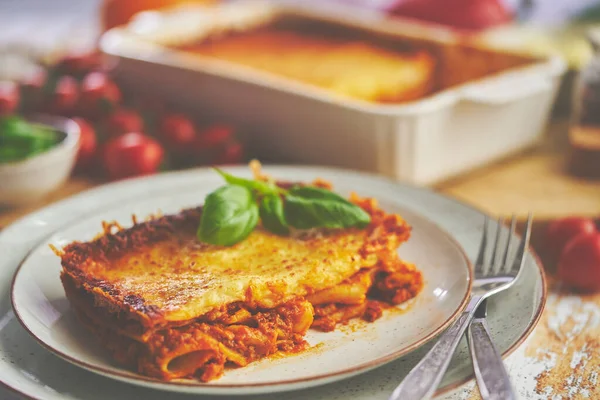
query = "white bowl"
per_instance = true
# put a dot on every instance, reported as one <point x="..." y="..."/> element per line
<point x="31" y="179"/>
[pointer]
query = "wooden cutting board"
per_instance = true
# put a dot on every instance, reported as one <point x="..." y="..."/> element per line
<point x="536" y="181"/>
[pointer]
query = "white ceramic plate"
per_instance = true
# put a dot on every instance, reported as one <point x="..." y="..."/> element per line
<point x="40" y="304"/>
<point x="32" y="371"/>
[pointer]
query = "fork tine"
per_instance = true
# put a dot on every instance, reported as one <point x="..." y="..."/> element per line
<point x="520" y="257"/>
<point x="513" y="224"/>
<point x="481" y="256"/>
<point x="494" y="264"/>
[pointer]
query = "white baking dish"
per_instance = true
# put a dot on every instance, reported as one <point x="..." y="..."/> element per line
<point x="447" y="133"/>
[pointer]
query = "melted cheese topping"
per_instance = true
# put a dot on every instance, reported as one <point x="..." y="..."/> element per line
<point x="186" y="279"/>
<point x="355" y="69"/>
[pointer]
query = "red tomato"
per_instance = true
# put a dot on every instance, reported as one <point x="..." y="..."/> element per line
<point x="462" y="14"/>
<point x="233" y="153"/>
<point x="79" y="63"/>
<point x="123" y="121"/>
<point x="99" y="95"/>
<point x="132" y="154"/>
<point x="32" y="90"/>
<point x="177" y="131"/>
<point x="561" y="231"/>
<point x="87" y="144"/>
<point x="65" y="96"/>
<point x="213" y="136"/>
<point x="579" y="264"/>
<point x="9" y="97"/>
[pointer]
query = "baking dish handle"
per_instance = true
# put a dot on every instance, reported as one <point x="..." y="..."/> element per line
<point x="506" y="89"/>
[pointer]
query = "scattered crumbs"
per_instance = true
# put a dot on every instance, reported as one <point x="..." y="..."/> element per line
<point x="567" y="342"/>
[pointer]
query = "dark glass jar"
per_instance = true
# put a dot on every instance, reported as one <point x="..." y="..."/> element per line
<point x="584" y="132"/>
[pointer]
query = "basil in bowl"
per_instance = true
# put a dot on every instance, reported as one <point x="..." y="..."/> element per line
<point x="37" y="155"/>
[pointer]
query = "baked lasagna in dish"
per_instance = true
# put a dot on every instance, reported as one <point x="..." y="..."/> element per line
<point x="351" y="67"/>
<point x="170" y="306"/>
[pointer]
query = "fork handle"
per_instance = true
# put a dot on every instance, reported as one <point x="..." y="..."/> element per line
<point x="425" y="377"/>
<point x="490" y="374"/>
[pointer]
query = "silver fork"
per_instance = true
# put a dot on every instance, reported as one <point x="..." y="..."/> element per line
<point x="491" y="375"/>
<point x="492" y="275"/>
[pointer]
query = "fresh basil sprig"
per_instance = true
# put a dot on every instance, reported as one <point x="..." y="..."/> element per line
<point x="272" y="214"/>
<point x="229" y="215"/>
<point x="231" y="212"/>
<point x="311" y="207"/>
<point x="20" y="139"/>
<point x="260" y="186"/>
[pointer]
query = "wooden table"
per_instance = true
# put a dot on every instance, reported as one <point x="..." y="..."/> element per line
<point x="562" y="357"/>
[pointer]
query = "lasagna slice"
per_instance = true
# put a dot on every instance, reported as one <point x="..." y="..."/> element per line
<point x="169" y="306"/>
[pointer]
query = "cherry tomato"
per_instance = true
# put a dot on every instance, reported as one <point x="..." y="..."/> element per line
<point x="132" y="154"/>
<point x="123" y="121"/>
<point x="9" y="97"/>
<point x="561" y="231"/>
<point x="87" y="144"/>
<point x="32" y="90"/>
<point x="579" y="264"/>
<point x="213" y="136"/>
<point x="65" y="96"/>
<point x="233" y="153"/>
<point x="99" y="95"/>
<point x="79" y="63"/>
<point x="177" y="131"/>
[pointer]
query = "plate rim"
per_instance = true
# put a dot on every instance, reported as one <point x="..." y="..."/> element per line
<point x="439" y="392"/>
<point x="214" y="389"/>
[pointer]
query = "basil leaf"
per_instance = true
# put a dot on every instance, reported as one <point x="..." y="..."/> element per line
<point x="14" y="128"/>
<point x="20" y="139"/>
<point x="310" y="207"/>
<point x="229" y="215"/>
<point x="312" y="192"/>
<point x="11" y="154"/>
<point x="272" y="214"/>
<point x="260" y="186"/>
